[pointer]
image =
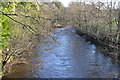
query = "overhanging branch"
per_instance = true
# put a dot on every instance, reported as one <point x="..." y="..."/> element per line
<point x="26" y="26"/>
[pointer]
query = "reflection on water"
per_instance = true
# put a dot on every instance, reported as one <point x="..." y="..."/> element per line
<point x="64" y="54"/>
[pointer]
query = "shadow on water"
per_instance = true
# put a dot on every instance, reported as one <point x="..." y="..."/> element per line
<point x="64" y="54"/>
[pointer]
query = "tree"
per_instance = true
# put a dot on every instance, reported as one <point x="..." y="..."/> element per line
<point x="118" y="30"/>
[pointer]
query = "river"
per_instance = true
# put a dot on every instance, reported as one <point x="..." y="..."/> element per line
<point x="65" y="54"/>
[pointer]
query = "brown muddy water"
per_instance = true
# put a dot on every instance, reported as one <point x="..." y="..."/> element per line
<point x="64" y="54"/>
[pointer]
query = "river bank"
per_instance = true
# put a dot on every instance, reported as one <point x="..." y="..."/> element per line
<point x="108" y="50"/>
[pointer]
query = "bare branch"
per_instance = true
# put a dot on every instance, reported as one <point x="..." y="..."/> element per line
<point x="27" y="26"/>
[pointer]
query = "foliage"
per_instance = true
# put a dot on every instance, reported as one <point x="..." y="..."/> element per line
<point x="4" y="27"/>
<point x="58" y="4"/>
<point x="96" y="19"/>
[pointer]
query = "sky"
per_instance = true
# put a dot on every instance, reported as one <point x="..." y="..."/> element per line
<point x="66" y="2"/>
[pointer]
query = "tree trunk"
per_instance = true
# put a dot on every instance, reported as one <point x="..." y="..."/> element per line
<point x="110" y="17"/>
<point x="118" y="31"/>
